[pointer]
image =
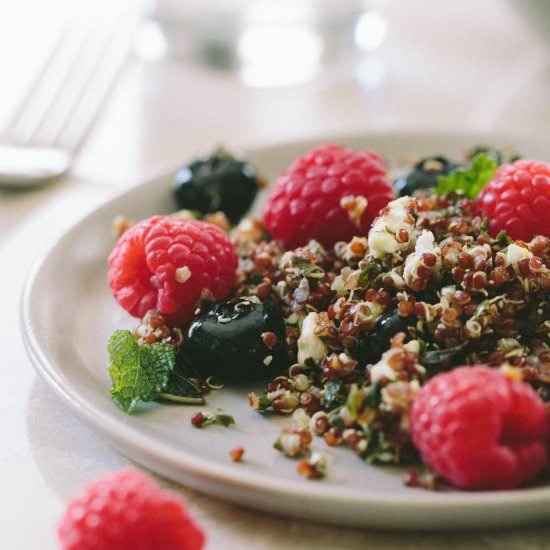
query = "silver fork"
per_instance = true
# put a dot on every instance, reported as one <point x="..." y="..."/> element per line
<point x="51" y="122"/>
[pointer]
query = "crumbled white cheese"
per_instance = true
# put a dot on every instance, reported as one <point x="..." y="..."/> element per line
<point x="291" y="444"/>
<point x="301" y="418"/>
<point x="382" y="236"/>
<point x="338" y="285"/>
<point x="479" y="249"/>
<point x="397" y="280"/>
<point x="366" y="311"/>
<point x="399" y="397"/>
<point x="285" y="260"/>
<point x="424" y="243"/>
<point x="516" y="253"/>
<point x="382" y="369"/>
<point x="294" y="318"/>
<point x="413" y="346"/>
<point x="310" y="346"/>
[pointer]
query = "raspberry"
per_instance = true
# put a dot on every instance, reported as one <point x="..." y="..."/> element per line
<point x="479" y="429"/>
<point x="165" y="263"/>
<point x="517" y="200"/>
<point x="126" y="511"/>
<point x="307" y="202"/>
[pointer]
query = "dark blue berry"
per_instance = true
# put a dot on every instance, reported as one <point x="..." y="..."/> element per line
<point x="373" y="344"/>
<point x="424" y="175"/>
<point x="237" y="341"/>
<point x="219" y="182"/>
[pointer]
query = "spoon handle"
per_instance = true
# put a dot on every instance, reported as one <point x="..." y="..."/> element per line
<point x="22" y="166"/>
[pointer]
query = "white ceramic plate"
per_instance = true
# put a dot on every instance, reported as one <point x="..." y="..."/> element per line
<point x="68" y="315"/>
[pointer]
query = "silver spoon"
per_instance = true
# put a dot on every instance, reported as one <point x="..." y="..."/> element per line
<point x="22" y="166"/>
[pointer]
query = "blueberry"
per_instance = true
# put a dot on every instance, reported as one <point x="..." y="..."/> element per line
<point x="237" y="341"/>
<point x="500" y="155"/>
<point x="373" y="344"/>
<point x="424" y="175"/>
<point x="219" y="182"/>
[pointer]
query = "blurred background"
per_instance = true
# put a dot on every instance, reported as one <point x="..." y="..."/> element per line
<point x="184" y="76"/>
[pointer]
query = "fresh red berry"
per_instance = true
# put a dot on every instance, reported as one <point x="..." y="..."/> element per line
<point x="517" y="200"/>
<point x="307" y="202"/>
<point x="126" y="511"/>
<point x="479" y="429"/>
<point x="165" y="263"/>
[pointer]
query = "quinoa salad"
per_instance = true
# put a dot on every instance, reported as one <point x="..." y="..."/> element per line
<point x="404" y="315"/>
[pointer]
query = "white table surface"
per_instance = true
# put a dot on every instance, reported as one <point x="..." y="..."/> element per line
<point x="483" y="71"/>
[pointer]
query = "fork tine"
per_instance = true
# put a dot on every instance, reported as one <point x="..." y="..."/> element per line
<point x="100" y="29"/>
<point x="49" y="87"/>
<point x="10" y="128"/>
<point x="99" y="80"/>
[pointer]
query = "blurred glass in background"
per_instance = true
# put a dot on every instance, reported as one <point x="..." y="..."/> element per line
<point x="269" y="43"/>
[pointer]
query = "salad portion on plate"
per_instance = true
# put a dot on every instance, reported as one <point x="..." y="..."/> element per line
<point x="406" y="317"/>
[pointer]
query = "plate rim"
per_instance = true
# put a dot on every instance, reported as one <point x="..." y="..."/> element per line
<point x="115" y="431"/>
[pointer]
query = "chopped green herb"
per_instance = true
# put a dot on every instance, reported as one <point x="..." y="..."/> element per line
<point x="202" y="419"/>
<point x="355" y="401"/>
<point x="441" y="357"/>
<point x="369" y="273"/>
<point x="307" y="268"/>
<point x="260" y="403"/>
<point x="503" y="239"/>
<point x="374" y="395"/>
<point x="180" y="389"/>
<point x="469" y="181"/>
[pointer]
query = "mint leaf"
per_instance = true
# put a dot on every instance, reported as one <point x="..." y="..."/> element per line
<point x="180" y="389"/>
<point x="138" y="373"/>
<point x="469" y="181"/>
